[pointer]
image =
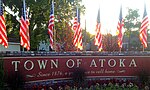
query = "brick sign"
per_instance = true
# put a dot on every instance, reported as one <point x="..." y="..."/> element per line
<point x="62" y="67"/>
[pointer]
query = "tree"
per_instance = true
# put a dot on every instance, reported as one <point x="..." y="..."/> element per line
<point x="88" y="36"/>
<point x="132" y="26"/>
<point x="39" y="17"/>
<point x="110" y="43"/>
<point x="87" y="39"/>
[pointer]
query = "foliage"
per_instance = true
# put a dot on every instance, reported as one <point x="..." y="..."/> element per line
<point x="110" y="43"/>
<point x="143" y="77"/>
<point x="132" y="26"/>
<point x="87" y="36"/>
<point x="39" y="11"/>
<point x="132" y="21"/>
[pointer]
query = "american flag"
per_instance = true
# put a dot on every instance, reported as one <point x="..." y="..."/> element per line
<point x="77" y="41"/>
<point x="119" y="29"/>
<point x="143" y="29"/>
<point x="3" y="33"/>
<point x="51" y="25"/>
<point x="98" y="35"/>
<point x="75" y="25"/>
<point x="24" y="29"/>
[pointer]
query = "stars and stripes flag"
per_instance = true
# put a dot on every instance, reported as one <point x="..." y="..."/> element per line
<point x="51" y="25"/>
<point x="24" y="28"/>
<point x="143" y="29"/>
<point x="77" y="40"/>
<point x="3" y="32"/>
<point x="98" y="35"/>
<point x="119" y="29"/>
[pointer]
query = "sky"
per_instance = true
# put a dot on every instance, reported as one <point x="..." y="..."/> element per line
<point x="109" y="13"/>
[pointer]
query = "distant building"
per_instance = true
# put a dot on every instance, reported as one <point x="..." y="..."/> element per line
<point x="13" y="45"/>
<point x="135" y="44"/>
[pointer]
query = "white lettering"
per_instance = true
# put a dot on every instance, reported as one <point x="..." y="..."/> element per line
<point x="16" y="64"/>
<point x="122" y="63"/>
<point x="71" y="61"/>
<point x="42" y="63"/>
<point x="93" y="63"/>
<point x="132" y="63"/>
<point x="102" y="62"/>
<point x="54" y="63"/>
<point x="113" y="63"/>
<point x="32" y="65"/>
<point x="79" y="62"/>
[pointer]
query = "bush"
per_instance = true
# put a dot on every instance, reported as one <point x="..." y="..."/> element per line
<point x="144" y="77"/>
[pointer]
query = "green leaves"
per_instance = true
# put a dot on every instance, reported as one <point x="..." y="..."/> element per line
<point x="39" y="16"/>
<point x="132" y="20"/>
<point x="132" y="26"/>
